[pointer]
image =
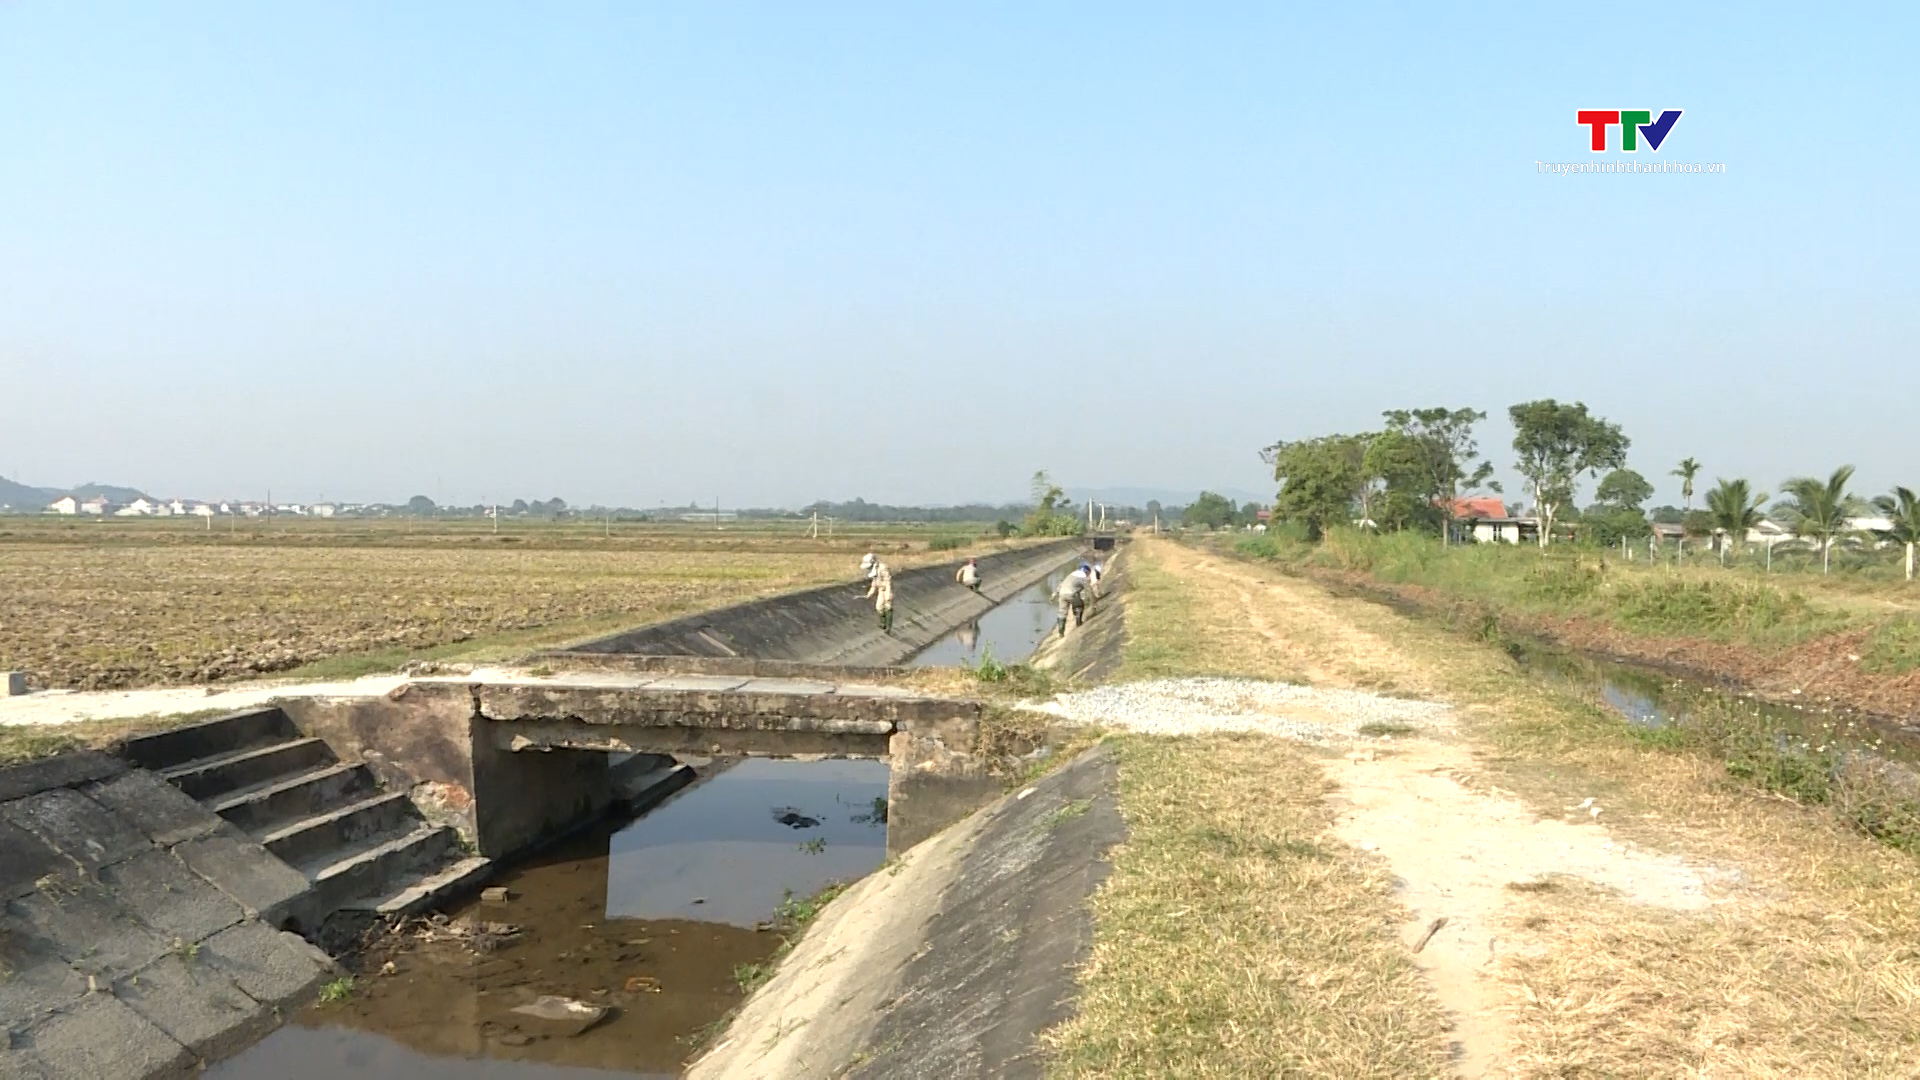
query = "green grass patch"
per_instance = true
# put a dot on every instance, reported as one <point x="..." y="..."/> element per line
<point x="1893" y="647"/>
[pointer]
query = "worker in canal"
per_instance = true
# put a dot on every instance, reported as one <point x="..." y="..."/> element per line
<point x="969" y="575"/>
<point x="1073" y="593"/>
<point x="879" y="589"/>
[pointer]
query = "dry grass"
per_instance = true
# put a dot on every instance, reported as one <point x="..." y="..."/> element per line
<point x="1810" y="968"/>
<point x="138" y="608"/>
<point x="24" y="742"/>
<point x="1234" y="939"/>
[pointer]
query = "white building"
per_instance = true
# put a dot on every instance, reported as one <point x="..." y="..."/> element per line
<point x="322" y="509"/>
<point x="95" y="505"/>
<point x="65" y="504"/>
<point x="202" y="510"/>
<point x="136" y="508"/>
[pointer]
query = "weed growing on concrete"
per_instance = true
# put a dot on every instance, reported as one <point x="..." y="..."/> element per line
<point x="750" y="977"/>
<point x="796" y="912"/>
<point x="186" y="950"/>
<point x="337" y="991"/>
<point x="1066" y="813"/>
<point x="988" y="669"/>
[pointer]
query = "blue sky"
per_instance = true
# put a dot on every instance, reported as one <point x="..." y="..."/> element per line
<point x="639" y="253"/>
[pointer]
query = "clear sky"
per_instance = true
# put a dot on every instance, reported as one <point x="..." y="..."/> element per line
<point x="634" y="253"/>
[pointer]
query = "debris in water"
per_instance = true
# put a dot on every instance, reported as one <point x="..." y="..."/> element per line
<point x="642" y="984"/>
<point x="389" y="968"/>
<point x="794" y="819"/>
<point x="574" y="1016"/>
<point x="496" y="895"/>
<point x="516" y="1038"/>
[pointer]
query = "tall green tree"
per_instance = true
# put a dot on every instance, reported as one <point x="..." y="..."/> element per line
<point x="1902" y="508"/>
<point x="1321" y="481"/>
<point x="1557" y="443"/>
<point x="1688" y="469"/>
<point x="1819" y="509"/>
<point x="1623" y="489"/>
<point x="1438" y="457"/>
<point x="1213" y="511"/>
<point x="1735" y="510"/>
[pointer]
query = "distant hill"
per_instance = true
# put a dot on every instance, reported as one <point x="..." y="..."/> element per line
<point x="21" y="497"/>
<point x="117" y="495"/>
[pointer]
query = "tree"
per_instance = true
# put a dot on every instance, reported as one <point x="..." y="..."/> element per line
<point x="1902" y="508"/>
<point x="1046" y="518"/>
<point x="420" y="506"/>
<point x="1819" y="510"/>
<point x="1153" y="510"/>
<point x="1399" y="485"/>
<point x="1557" y="443"/>
<point x="1623" y="489"/>
<point x="1249" y="514"/>
<point x="1688" y="469"/>
<point x="1735" y="511"/>
<point x="1436" y="452"/>
<point x="1320" y="481"/>
<point x="1213" y="511"/>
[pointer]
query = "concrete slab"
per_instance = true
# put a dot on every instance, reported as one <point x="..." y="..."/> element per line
<point x="61" y="770"/>
<point x="863" y="690"/>
<point x="99" y="1038"/>
<point x="697" y="682"/>
<point x="78" y="827"/>
<point x="87" y="927"/>
<point x="25" y="859"/>
<point x="158" y="809"/>
<point x="22" y="1066"/>
<point x="170" y="898"/>
<point x="272" y="967"/>
<point x="34" y="979"/>
<point x="243" y="870"/>
<point x="784" y="686"/>
<point x="196" y="1006"/>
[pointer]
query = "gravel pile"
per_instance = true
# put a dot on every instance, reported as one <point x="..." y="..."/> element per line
<point x="1195" y="706"/>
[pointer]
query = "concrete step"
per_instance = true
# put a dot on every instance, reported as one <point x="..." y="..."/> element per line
<point x="265" y="807"/>
<point x="222" y="774"/>
<point x="381" y="863"/>
<point x="433" y="890"/>
<point x="306" y="839"/>
<point x="210" y="738"/>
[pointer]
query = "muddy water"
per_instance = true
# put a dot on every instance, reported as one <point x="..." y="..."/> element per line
<point x="649" y="919"/>
<point x="1012" y="630"/>
<point x="1654" y="699"/>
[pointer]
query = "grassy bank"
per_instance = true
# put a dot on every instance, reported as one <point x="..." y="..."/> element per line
<point x="1803" y="968"/>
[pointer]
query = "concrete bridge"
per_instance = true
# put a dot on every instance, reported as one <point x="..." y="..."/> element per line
<point x="513" y="761"/>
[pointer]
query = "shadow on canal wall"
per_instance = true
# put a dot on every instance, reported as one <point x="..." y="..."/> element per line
<point x="951" y="962"/>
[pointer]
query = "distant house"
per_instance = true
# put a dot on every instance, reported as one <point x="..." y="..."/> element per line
<point x="1485" y="519"/>
<point x="65" y="504"/>
<point x="136" y="508"/>
<point x="322" y="509"/>
<point x="202" y="510"/>
<point x="96" y="505"/>
<point x="177" y="507"/>
<point x="1768" y="532"/>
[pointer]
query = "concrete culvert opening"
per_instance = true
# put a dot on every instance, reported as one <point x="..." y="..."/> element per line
<point x="654" y="926"/>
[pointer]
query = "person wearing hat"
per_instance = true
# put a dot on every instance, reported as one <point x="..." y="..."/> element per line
<point x="1072" y="595"/>
<point x="879" y="589"/>
<point x="968" y="575"/>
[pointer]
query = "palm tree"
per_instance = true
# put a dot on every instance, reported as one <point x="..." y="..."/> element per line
<point x="1903" y="509"/>
<point x="1688" y="469"/>
<point x="1819" y="510"/>
<point x="1734" y="511"/>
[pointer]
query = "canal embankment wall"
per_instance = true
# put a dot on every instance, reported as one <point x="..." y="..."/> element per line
<point x="137" y="929"/>
<point x="835" y="624"/>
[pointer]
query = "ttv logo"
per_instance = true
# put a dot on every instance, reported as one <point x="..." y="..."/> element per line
<point x="1634" y="123"/>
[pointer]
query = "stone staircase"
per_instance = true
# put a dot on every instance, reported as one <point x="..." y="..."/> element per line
<point x="362" y="848"/>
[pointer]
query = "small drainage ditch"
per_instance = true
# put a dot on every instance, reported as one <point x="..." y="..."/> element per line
<point x="1011" y="631"/>
<point x="654" y="920"/>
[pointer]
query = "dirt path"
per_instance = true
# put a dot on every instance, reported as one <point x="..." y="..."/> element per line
<point x="1467" y="859"/>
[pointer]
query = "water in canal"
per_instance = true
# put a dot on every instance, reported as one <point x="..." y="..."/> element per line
<point x="651" y="918"/>
<point x="1011" y="630"/>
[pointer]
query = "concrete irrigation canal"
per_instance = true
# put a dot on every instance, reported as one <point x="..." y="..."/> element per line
<point x="574" y="869"/>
